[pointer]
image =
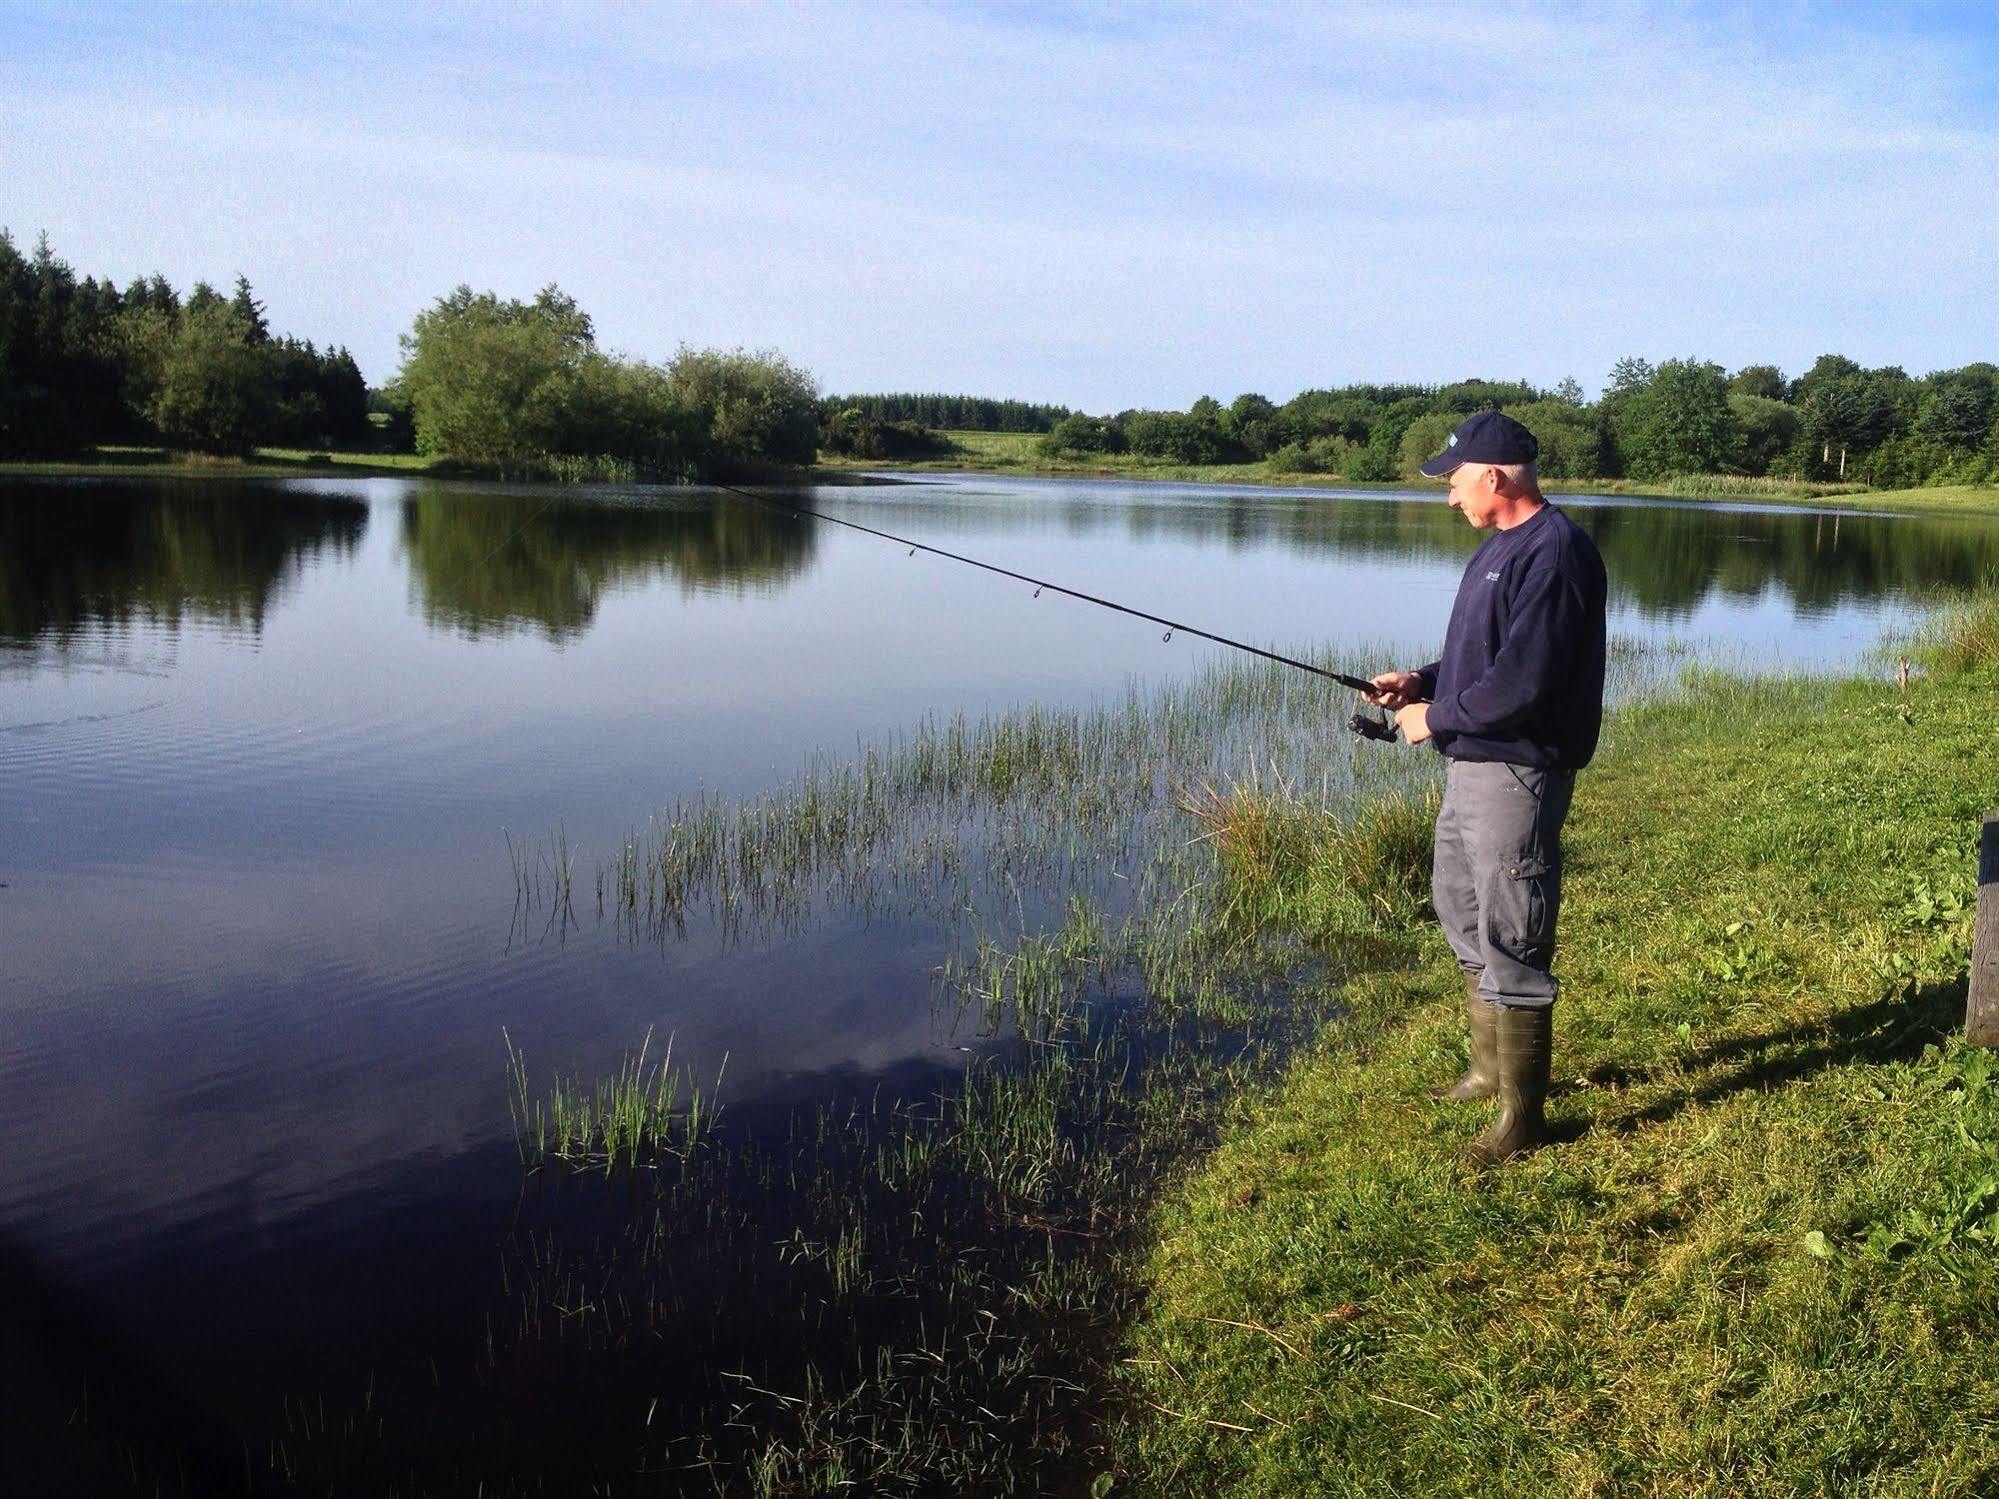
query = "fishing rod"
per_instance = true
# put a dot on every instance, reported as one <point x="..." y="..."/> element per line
<point x="1382" y="728"/>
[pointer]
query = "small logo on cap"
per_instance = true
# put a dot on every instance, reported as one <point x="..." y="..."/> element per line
<point x="1454" y="440"/>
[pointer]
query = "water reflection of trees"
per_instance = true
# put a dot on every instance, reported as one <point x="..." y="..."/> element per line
<point x="81" y="557"/>
<point x="482" y="562"/>
<point x="1664" y="560"/>
<point x="1667" y="560"/>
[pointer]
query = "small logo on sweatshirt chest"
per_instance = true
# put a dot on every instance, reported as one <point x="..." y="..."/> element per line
<point x="1492" y="577"/>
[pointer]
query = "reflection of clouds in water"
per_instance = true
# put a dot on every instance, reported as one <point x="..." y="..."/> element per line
<point x="288" y="1071"/>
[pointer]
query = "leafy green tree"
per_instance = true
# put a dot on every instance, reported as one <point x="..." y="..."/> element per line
<point x="1766" y="428"/>
<point x="757" y="407"/>
<point x="1079" y="433"/>
<point x="249" y="310"/>
<point x="1422" y="437"/>
<point x="1848" y="410"/>
<point x="1764" y="381"/>
<point x="1373" y="464"/>
<point x="1466" y="396"/>
<point x="1571" y="441"/>
<point x="492" y="381"/>
<point x="1377" y="458"/>
<point x="214" y="392"/>
<point x="1170" y="434"/>
<point x="1679" y="422"/>
<point x="854" y="433"/>
<point x="145" y="332"/>
<point x="1208" y="431"/>
<point x="630" y="409"/>
<point x="1629" y="374"/>
<point x="1569" y="392"/>
<point x="1956" y="408"/>
<point x="1251" y="424"/>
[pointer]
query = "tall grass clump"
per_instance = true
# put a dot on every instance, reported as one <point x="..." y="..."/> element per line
<point x="1320" y="870"/>
<point x="1963" y="634"/>
<point x="1750" y="486"/>
<point x="632" y="1117"/>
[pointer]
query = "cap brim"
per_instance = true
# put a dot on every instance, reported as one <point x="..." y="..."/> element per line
<point x="1440" y="465"/>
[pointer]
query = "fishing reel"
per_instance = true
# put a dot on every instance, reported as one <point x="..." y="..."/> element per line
<point x="1370" y="727"/>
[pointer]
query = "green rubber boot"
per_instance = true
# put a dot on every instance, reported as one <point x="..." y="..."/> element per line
<point x="1524" y="1037"/>
<point x="1481" y="1079"/>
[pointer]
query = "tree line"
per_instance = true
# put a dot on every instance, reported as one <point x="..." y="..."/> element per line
<point x="517" y="387"/>
<point x="951" y="413"/>
<point x="522" y="387"/>
<point x="1836" y="421"/>
<point x="902" y="424"/>
<point x="83" y="363"/>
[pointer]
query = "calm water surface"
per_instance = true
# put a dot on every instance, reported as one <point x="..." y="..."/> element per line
<point x="262" y="744"/>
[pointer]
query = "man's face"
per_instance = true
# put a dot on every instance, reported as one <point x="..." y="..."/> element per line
<point x="1474" y="493"/>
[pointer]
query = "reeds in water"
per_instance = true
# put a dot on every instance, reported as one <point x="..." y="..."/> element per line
<point x="959" y="813"/>
<point x="636" y="1116"/>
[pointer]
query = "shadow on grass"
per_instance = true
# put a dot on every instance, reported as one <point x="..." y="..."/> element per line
<point x="1893" y="1028"/>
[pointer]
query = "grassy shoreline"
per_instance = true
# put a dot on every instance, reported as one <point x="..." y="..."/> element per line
<point x="300" y="463"/>
<point x="1762" y="1256"/>
<point x="1016" y="453"/>
<point x="265" y="463"/>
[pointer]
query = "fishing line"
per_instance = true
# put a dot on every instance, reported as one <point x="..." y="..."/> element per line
<point x="1173" y="626"/>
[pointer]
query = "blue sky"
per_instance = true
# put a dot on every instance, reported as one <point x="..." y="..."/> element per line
<point x="1103" y="206"/>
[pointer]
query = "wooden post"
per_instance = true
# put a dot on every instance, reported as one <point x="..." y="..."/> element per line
<point x="1981" y="1006"/>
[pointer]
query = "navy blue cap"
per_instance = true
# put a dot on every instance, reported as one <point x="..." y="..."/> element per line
<point x="1488" y="437"/>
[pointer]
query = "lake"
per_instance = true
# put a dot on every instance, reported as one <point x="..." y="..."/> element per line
<point x="271" y="752"/>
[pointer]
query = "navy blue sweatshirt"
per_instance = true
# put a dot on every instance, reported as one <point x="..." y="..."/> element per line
<point x="1521" y="679"/>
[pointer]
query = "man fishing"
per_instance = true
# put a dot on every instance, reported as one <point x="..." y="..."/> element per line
<point x="1515" y="705"/>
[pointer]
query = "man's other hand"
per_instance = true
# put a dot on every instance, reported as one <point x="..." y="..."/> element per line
<point x="1394" y="689"/>
<point x="1414" y="722"/>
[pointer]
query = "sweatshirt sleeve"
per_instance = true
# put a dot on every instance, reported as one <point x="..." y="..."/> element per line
<point x="1428" y="674"/>
<point x="1545" y="622"/>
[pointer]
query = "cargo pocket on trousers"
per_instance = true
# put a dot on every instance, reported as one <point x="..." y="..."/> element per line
<point x="1529" y="896"/>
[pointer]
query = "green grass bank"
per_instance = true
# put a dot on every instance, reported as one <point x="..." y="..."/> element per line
<point x="989" y="452"/>
<point x="1760" y="1258"/>
<point x="264" y="463"/>
<point x="299" y="463"/>
<point x="1020" y="453"/>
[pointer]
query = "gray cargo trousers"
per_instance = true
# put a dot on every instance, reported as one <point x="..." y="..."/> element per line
<point x="1497" y="876"/>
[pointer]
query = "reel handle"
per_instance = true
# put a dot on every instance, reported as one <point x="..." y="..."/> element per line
<point x="1381" y="729"/>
